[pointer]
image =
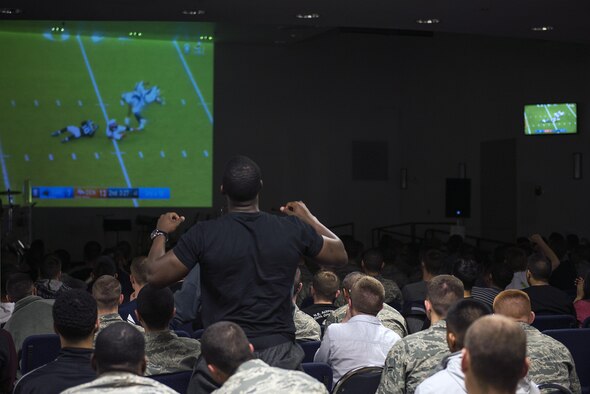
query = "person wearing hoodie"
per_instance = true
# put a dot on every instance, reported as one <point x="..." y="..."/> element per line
<point x="451" y="379"/>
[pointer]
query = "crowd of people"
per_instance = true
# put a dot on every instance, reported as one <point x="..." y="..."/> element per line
<point x="260" y="284"/>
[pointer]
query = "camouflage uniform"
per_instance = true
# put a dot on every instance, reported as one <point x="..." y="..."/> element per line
<point x="106" y="320"/>
<point x="389" y="317"/>
<point x="306" y="328"/>
<point x="255" y="376"/>
<point x="121" y="383"/>
<point x="413" y="359"/>
<point x="168" y="353"/>
<point x="551" y="361"/>
<point x="392" y="292"/>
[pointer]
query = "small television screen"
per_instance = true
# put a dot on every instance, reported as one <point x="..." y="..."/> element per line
<point x="106" y="114"/>
<point x="543" y="119"/>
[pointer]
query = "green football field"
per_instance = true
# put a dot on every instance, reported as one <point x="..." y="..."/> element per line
<point x="550" y="118"/>
<point x="50" y="81"/>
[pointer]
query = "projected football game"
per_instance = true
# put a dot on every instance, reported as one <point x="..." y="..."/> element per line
<point x="115" y="119"/>
<point x="550" y="119"/>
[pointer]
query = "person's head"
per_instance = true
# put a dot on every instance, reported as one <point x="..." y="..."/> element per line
<point x="459" y="317"/>
<point x="516" y="258"/>
<point x="19" y="286"/>
<point x="467" y="271"/>
<point x="242" y="179"/>
<point x="494" y="356"/>
<point x="50" y="267"/>
<point x="155" y="307"/>
<point x="75" y="316"/>
<point x="432" y="262"/>
<point x="372" y="261"/>
<point x="92" y="250"/>
<point x="514" y="304"/>
<point x="442" y="292"/>
<point x="106" y="290"/>
<point x="325" y="286"/>
<point x="139" y="272"/>
<point x="104" y="265"/>
<point x="349" y="281"/>
<point x="367" y="296"/>
<point x="538" y="268"/>
<point x="119" y="347"/>
<point x="500" y="274"/>
<point x="225" y="347"/>
<point x="558" y="244"/>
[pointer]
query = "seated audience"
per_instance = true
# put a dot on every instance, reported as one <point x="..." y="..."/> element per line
<point x="497" y="368"/>
<point x="551" y="361"/>
<point x="232" y="364"/>
<point x="582" y="300"/>
<point x="166" y="352"/>
<point x="75" y="321"/>
<point x="372" y="264"/>
<point x="362" y="340"/>
<point x="467" y="271"/>
<point x="496" y="279"/>
<point x="431" y="265"/>
<point x="414" y="357"/>
<point x="8" y="362"/>
<point x="545" y="299"/>
<point x="516" y="259"/>
<point x="119" y="362"/>
<point x="49" y="284"/>
<point x="138" y="279"/>
<point x="107" y="293"/>
<point x="306" y="328"/>
<point x="6" y="307"/>
<point x="563" y="274"/>
<point x="388" y="316"/>
<point x="325" y="289"/>
<point x="32" y="314"/>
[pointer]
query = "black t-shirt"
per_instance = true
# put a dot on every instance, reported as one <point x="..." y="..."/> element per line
<point x="71" y="368"/>
<point x="549" y="300"/>
<point x="319" y="311"/>
<point x="248" y="263"/>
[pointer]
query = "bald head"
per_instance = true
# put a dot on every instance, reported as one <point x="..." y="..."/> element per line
<point x="514" y="304"/>
<point x="494" y="357"/>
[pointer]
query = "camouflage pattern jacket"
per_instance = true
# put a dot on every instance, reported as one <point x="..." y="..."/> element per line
<point x="168" y="353"/>
<point x="121" y="383"/>
<point x="306" y="328"/>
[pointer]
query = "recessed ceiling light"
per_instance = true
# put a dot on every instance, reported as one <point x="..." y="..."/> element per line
<point x="193" y="12"/>
<point x="10" y="11"/>
<point x="542" y="28"/>
<point x="312" y="15"/>
<point x="432" y="21"/>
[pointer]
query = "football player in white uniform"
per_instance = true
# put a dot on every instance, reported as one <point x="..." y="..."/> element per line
<point x="86" y="129"/>
<point x="116" y="131"/>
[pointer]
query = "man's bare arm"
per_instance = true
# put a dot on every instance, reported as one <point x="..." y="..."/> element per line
<point x="547" y="251"/>
<point x="164" y="268"/>
<point x="332" y="252"/>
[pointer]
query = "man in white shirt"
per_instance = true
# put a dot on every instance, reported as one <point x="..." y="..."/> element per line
<point x="362" y="340"/>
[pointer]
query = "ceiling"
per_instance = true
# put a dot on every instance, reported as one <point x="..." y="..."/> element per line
<point x="277" y="22"/>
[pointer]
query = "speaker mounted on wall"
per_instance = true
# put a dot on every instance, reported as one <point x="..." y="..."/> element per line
<point x="458" y="198"/>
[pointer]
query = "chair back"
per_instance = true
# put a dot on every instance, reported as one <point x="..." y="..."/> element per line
<point x="576" y="340"/>
<point x="554" y="322"/>
<point x="176" y="381"/>
<point x="309" y="348"/>
<point x="39" y="350"/>
<point x="320" y="371"/>
<point x="363" y="380"/>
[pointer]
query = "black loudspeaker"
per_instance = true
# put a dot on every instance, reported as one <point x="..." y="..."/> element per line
<point x="458" y="198"/>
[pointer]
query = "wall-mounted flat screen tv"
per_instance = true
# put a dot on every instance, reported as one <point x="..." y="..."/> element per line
<point x="107" y="114"/>
<point x="543" y="119"/>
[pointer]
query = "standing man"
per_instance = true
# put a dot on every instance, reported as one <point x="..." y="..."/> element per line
<point x="247" y="260"/>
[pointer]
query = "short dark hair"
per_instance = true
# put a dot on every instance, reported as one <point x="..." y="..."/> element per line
<point x="373" y="259"/>
<point x="139" y="270"/>
<point x="433" y="261"/>
<point x="367" y="295"/>
<point x="501" y="273"/>
<point x="50" y="267"/>
<point x="74" y="314"/>
<point x="241" y="179"/>
<point x="516" y="258"/>
<point x="539" y="266"/>
<point x="225" y="345"/>
<point x="104" y="265"/>
<point x="19" y="286"/>
<point x="119" y="347"/>
<point x="442" y="292"/>
<point x="326" y="284"/>
<point x="155" y="306"/>
<point x="467" y="271"/>
<point x="461" y="315"/>
<point x="497" y="352"/>
<point x="106" y="291"/>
